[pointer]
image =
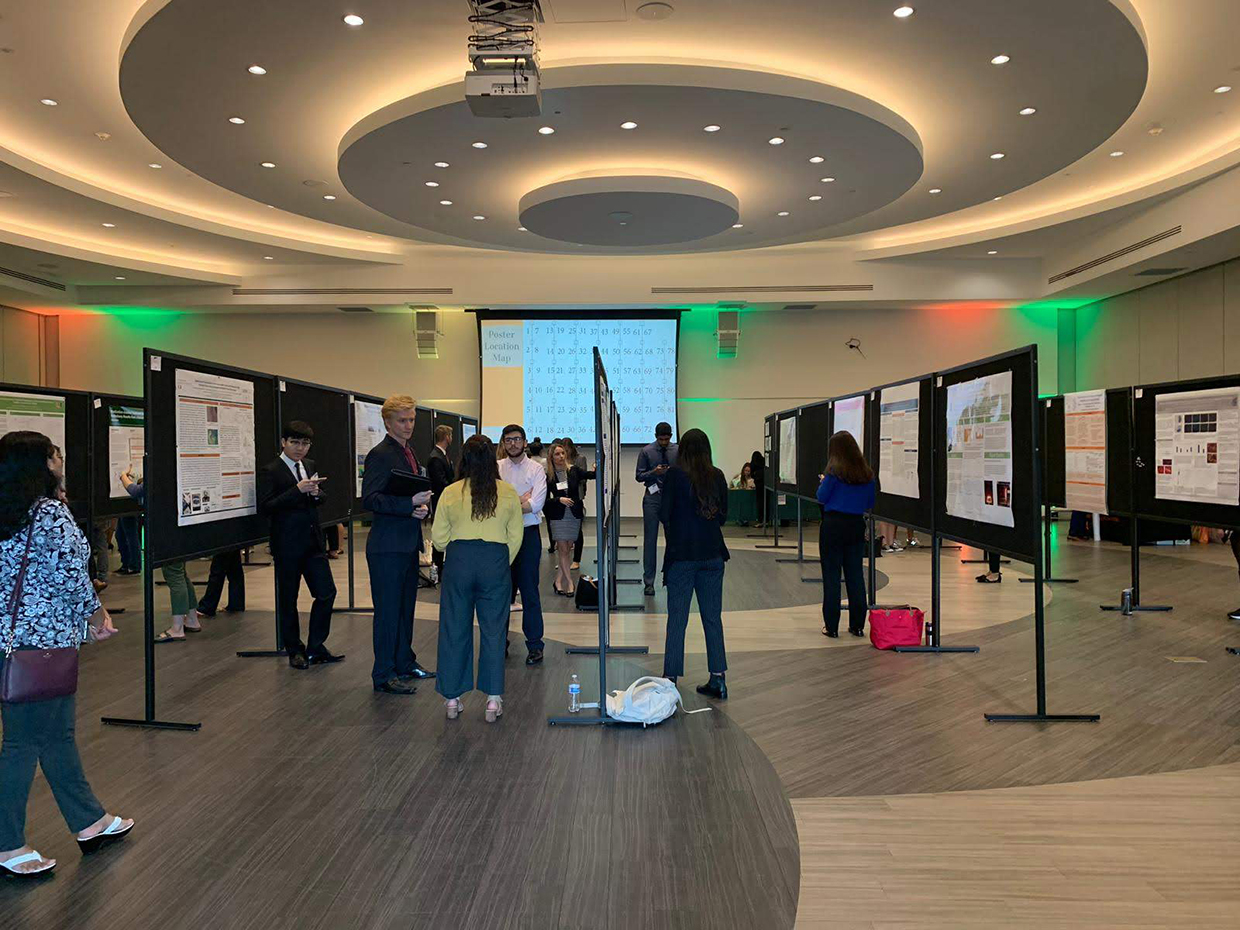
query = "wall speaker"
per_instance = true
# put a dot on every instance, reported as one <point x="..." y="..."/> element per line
<point x="426" y="332"/>
<point x="727" y="333"/>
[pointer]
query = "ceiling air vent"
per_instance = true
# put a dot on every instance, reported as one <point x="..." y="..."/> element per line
<point x="1158" y="272"/>
<point x="1118" y="253"/>
<point x="355" y="310"/>
<point x="800" y="306"/>
<point x="767" y="289"/>
<point x="336" y="291"/>
<point x="31" y="279"/>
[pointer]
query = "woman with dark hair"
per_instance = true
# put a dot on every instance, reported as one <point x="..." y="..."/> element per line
<point x="693" y="510"/>
<point x="564" y="510"/>
<point x="479" y="528"/>
<point x="846" y="493"/>
<point x="48" y="602"/>
<point x="757" y="465"/>
<point x="578" y="458"/>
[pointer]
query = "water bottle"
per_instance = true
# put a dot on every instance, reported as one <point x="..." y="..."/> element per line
<point x="574" y="695"/>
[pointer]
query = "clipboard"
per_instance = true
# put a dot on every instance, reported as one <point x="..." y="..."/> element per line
<point x="402" y="483"/>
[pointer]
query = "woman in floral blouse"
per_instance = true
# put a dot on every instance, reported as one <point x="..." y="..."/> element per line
<point x="58" y="608"/>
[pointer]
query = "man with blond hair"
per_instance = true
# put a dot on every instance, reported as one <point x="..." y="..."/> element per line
<point x="392" y="549"/>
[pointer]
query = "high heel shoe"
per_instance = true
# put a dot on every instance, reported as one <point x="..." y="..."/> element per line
<point x="453" y="708"/>
<point x="495" y="709"/>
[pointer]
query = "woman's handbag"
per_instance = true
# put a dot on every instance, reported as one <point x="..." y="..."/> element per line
<point x="35" y="674"/>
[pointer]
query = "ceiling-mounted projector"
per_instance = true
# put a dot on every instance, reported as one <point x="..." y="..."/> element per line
<point x="503" y="52"/>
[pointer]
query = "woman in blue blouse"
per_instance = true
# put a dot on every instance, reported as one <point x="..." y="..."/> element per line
<point x="846" y="493"/>
<point x="58" y="608"/>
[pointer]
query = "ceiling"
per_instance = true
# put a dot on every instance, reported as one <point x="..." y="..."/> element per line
<point x="904" y="113"/>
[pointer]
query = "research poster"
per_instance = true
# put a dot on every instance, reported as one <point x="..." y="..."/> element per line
<point x="979" y="449"/>
<point x="40" y="413"/>
<point x="788" y="451"/>
<point x="368" y="432"/>
<point x="467" y="430"/>
<point x="850" y="417"/>
<point x="1085" y="450"/>
<point x="898" y="440"/>
<point x="1197" y="446"/>
<point x="126" y="446"/>
<point x="215" y="448"/>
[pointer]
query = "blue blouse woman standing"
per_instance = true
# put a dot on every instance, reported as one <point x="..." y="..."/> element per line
<point x="846" y="493"/>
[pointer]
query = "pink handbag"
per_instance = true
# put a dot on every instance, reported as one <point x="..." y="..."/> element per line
<point x="896" y="626"/>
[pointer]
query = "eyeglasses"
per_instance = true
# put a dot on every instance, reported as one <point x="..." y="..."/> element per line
<point x="300" y="443"/>
<point x="513" y="440"/>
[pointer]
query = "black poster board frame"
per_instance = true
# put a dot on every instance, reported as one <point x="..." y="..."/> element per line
<point x="453" y="420"/>
<point x="915" y="513"/>
<point x="337" y="463"/>
<point x="813" y="434"/>
<point x="104" y="506"/>
<point x="78" y="449"/>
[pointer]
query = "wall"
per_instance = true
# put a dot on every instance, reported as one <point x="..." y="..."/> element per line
<point x="1186" y="327"/>
<point x="28" y="352"/>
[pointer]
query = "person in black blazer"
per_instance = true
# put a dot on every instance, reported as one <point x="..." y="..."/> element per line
<point x="441" y="473"/>
<point x="393" y="548"/>
<point x="289" y="495"/>
<point x="564" y="511"/>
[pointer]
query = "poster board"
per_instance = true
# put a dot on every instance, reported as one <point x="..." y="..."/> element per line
<point x="813" y="434"/>
<point x="1017" y="370"/>
<point x="1084" y="451"/>
<point x="368" y="431"/>
<point x="118" y="431"/>
<point x="423" y="435"/>
<point x="1054" y="463"/>
<point x="326" y="411"/>
<point x="64" y="417"/>
<point x="848" y="414"/>
<point x="1119" y="451"/>
<point x="469" y="427"/>
<point x="788" y="451"/>
<point x="168" y="539"/>
<point x="918" y="511"/>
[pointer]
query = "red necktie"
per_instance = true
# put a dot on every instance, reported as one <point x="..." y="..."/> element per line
<point x="413" y="462"/>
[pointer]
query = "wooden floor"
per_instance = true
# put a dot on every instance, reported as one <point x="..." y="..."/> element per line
<point x="309" y="801"/>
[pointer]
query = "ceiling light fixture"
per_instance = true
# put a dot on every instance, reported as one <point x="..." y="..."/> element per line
<point x="522" y="229"/>
<point x="1028" y="111"/>
<point x="903" y="12"/>
<point x="1000" y="60"/>
<point x="993" y="252"/>
<point x="711" y="128"/>
<point x="236" y="120"/>
<point x="775" y="140"/>
<point x="936" y="190"/>
<point x="441" y="164"/>
<point x="738" y="225"/>
<point x="479" y="216"/>
<point x="1117" y="153"/>
<point x="997" y="155"/>
<point x="1221" y="89"/>
<point x="815" y="197"/>
<point x="1000" y="197"/>
<point x="546" y="130"/>
<point x="782" y="213"/>
<point x="256" y="69"/>
<point x="479" y="145"/>
<point x="432" y="183"/>
<point x="445" y="203"/>
<point x="827" y="180"/>
<point x="268" y="164"/>
<point x="628" y="124"/>
<point x="817" y="160"/>
<point x="329" y="196"/>
<point x="49" y="102"/>
<point x="269" y="258"/>
<point x="154" y="164"/>
<point x="352" y="19"/>
<point x="109" y="225"/>
<point x="119" y="277"/>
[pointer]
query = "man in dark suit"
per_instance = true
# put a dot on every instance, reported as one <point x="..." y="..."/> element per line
<point x="289" y="495"/>
<point x="393" y="548"/>
<point x="441" y="473"/>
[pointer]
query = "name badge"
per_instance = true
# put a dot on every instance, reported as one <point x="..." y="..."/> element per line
<point x="562" y="486"/>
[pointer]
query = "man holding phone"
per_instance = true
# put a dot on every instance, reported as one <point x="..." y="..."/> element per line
<point x="653" y="463"/>
<point x="289" y="494"/>
<point x="393" y="548"/>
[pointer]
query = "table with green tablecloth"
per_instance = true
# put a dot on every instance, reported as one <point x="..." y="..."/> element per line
<point x="743" y="507"/>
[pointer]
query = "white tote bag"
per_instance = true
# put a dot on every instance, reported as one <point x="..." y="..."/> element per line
<point x="647" y="700"/>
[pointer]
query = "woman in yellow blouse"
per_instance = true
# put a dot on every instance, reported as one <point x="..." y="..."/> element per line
<point x="478" y="527"/>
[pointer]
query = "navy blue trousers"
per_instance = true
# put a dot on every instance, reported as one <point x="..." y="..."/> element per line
<point x="683" y="579"/>
<point x="477" y="583"/>
<point x="394" y="590"/>
<point x="525" y="580"/>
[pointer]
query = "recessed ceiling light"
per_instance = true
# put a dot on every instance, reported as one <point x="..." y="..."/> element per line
<point x="827" y="180"/>
<point x="903" y="12"/>
<point x="1028" y="111"/>
<point x="782" y="213"/>
<point x="445" y="203"/>
<point x="1000" y="197"/>
<point x="1117" y="153"/>
<point x="738" y="225"/>
<point x="546" y="130"/>
<point x="269" y="258"/>
<point x="236" y="120"/>
<point x="817" y="160"/>
<point x="119" y="277"/>
<point x="432" y="183"/>
<point x="352" y="19"/>
<point x="815" y="197"/>
<point x="479" y="145"/>
<point x="628" y="124"/>
<point x="993" y="252"/>
<point x="49" y="102"/>
<point x="1221" y="89"/>
<point x="109" y="225"/>
<point x="268" y="164"/>
<point x="479" y="216"/>
<point x="256" y="69"/>
<point x="329" y="196"/>
<point x="711" y="128"/>
<point x="936" y="190"/>
<point x="154" y="164"/>
<point x="441" y="164"/>
<point x="775" y="140"/>
<point x="1000" y="60"/>
<point x="997" y="155"/>
<point x="522" y="229"/>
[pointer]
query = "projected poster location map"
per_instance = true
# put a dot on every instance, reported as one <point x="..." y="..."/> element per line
<point x="539" y="373"/>
<point x="1197" y="446"/>
<point x="979" y="449"/>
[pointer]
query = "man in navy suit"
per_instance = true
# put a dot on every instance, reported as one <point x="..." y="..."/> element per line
<point x="392" y="550"/>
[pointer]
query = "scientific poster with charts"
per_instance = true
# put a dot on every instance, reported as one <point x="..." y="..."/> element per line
<point x="788" y="451"/>
<point x="898" y="432"/>
<point x="850" y="417"/>
<point x="979" y="449"/>
<point x="126" y="446"/>
<point x="215" y="448"/>
<point x="39" y="413"/>
<point x="1197" y="446"/>
<point x="1085" y="450"/>
<point x="368" y="432"/>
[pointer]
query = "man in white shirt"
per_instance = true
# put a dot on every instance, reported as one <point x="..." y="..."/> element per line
<point x="530" y="481"/>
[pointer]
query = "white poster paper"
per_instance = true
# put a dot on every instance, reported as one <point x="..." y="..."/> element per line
<point x="368" y="432"/>
<point x="788" y="451"/>
<point x="1197" y="446"/>
<point x="215" y="448"/>
<point x="979" y="449"/>
<point x="1085" y="450"/>
<point x="898" y="440"/>
<point x="40" y="413"/>
<point x="126" y="446"/>
<point x="850" y="417"/>
<point x="467" y="430"/>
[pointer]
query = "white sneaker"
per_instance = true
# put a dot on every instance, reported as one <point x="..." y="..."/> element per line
<point x="913" y="544"/>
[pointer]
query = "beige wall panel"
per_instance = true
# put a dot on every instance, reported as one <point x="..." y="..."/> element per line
<point x="1200" y="321"/>
<point x="1158" y="310"/>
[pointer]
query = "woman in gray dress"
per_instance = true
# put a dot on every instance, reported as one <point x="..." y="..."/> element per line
<point x="565" y="489"/>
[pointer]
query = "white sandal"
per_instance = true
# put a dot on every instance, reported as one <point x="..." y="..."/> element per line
<point x="10" y="865"/>
<point x="114" y="831"/>
<point x="492" y="713"/>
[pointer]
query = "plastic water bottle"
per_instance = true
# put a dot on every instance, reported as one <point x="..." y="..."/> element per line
<point x="574" y="695"/>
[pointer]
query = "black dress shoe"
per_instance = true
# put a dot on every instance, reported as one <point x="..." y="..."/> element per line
<point x="671" y="678"/>
<point x="298" y="660"/>
<point x="535" y="656"/>
<point x="860" y="632"/>
<point x="716" y="688"/>
<point x="649" y="590"/>
<point x="1234" y="615"/>
<point x="828" y="633"/>
<point x="323" y="657"/>
<point x="396" y="686"/>
<point x="205" y="613"/>
<point x="417" y="674"/>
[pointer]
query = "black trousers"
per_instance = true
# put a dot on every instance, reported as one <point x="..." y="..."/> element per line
<point x="650" y="536"/>
<point x="581" y="541"/>
<point x="225" y="566"/>
<point x="479" y="582"/>
<point x="683" y="579"/>
<point x="291" y="568"/>
<point x="394" y="590"/>
<point x="525" y="579"/>
<point x="841" y="547"/>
